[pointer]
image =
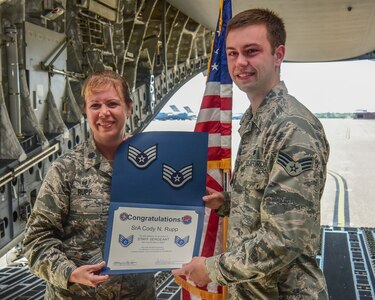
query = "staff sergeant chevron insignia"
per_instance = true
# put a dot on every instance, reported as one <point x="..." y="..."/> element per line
<point x="125" y="241"/>
<point x="292" y="167"/>
<point x="180" y="242"/>
<point x="142" y="159"/>
<point x="177" y="178"/>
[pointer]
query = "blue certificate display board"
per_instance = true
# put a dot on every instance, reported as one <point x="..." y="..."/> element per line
<point x="156" y="211"/>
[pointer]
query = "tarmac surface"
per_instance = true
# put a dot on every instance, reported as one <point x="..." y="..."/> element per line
<point x="351" y="172"/>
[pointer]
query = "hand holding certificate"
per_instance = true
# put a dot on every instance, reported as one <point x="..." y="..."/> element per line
<point x="156" y="211"/>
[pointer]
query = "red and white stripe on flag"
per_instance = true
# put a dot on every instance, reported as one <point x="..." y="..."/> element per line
<point x="215" y="117"/>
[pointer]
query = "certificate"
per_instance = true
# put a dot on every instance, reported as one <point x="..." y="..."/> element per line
<point x="151" y="238"/>
<point x="156" y="211"/>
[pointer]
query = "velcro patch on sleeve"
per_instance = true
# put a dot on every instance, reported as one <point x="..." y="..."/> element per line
<point x="292" y="167"/>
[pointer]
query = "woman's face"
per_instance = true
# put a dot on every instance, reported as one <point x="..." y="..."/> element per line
<point x="107" y="114"/>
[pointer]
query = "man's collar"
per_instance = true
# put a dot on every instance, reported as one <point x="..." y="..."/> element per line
<point x="266" y="107"/>
<point x="278" y="91"/>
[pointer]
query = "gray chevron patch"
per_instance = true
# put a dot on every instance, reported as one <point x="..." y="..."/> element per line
<point x="142" y="159"/>
<point x="292" y="167"/>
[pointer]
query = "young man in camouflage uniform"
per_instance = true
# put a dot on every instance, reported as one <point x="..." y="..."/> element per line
<point x="278" y="179"/>
<point x="64" y="238"/>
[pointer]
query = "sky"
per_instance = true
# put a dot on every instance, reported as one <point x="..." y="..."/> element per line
<point x="322" y="87"/>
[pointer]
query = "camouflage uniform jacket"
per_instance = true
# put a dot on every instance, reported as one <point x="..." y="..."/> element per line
<point x="274" y="224"/>
<point x="68" y="225"/>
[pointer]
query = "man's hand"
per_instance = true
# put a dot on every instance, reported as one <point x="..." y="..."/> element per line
<point x="87" y="275"/>
<point x="194" y="271"/>
<point x="213" y="199"/>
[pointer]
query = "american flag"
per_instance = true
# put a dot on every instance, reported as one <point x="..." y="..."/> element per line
<point x="215" y="117"/>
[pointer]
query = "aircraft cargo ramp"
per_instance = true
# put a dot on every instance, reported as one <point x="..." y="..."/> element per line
<point x="347" y="258"/>
<point x="348" y="262"/>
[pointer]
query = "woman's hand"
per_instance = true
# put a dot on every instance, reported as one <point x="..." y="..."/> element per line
<point x="88" y="275"/>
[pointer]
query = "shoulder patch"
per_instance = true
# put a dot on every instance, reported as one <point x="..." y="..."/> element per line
<point x="292" y="167"/>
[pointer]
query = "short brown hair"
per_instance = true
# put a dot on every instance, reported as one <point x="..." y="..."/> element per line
<point x="98" y="80"/>
<point x="275" y="26"/>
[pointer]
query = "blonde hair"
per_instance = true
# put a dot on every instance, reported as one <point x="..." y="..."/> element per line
<point x="98" y="80"/>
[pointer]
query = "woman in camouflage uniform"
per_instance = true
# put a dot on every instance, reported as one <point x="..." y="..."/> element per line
<point x="64" y="238"/>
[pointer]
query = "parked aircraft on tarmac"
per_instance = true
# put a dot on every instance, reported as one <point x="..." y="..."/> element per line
<point x="175" y="114"/>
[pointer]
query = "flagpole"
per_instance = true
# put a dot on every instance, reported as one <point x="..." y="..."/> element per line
<point x="226" y="177"/>
<point x="215" y="117"/>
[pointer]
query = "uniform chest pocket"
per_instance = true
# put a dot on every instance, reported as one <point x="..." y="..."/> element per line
<point x="89" y="198"/>
<point x="256" y="174"/>
<point x="252" y="174"/>
<point x="251" y="169"/>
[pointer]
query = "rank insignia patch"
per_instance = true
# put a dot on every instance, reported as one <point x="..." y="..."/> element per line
<point x="292" y="167"/>
<point x="125" y="241"/>
<point x="180" y="242"/>
<point x="142" y="159"/>
<point x="177" y="178"/>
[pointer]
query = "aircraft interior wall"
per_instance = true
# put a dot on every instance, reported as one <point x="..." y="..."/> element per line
<point x="47" y="49"/>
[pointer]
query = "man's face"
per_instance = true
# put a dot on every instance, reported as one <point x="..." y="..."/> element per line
<point x="251" y="64"/>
